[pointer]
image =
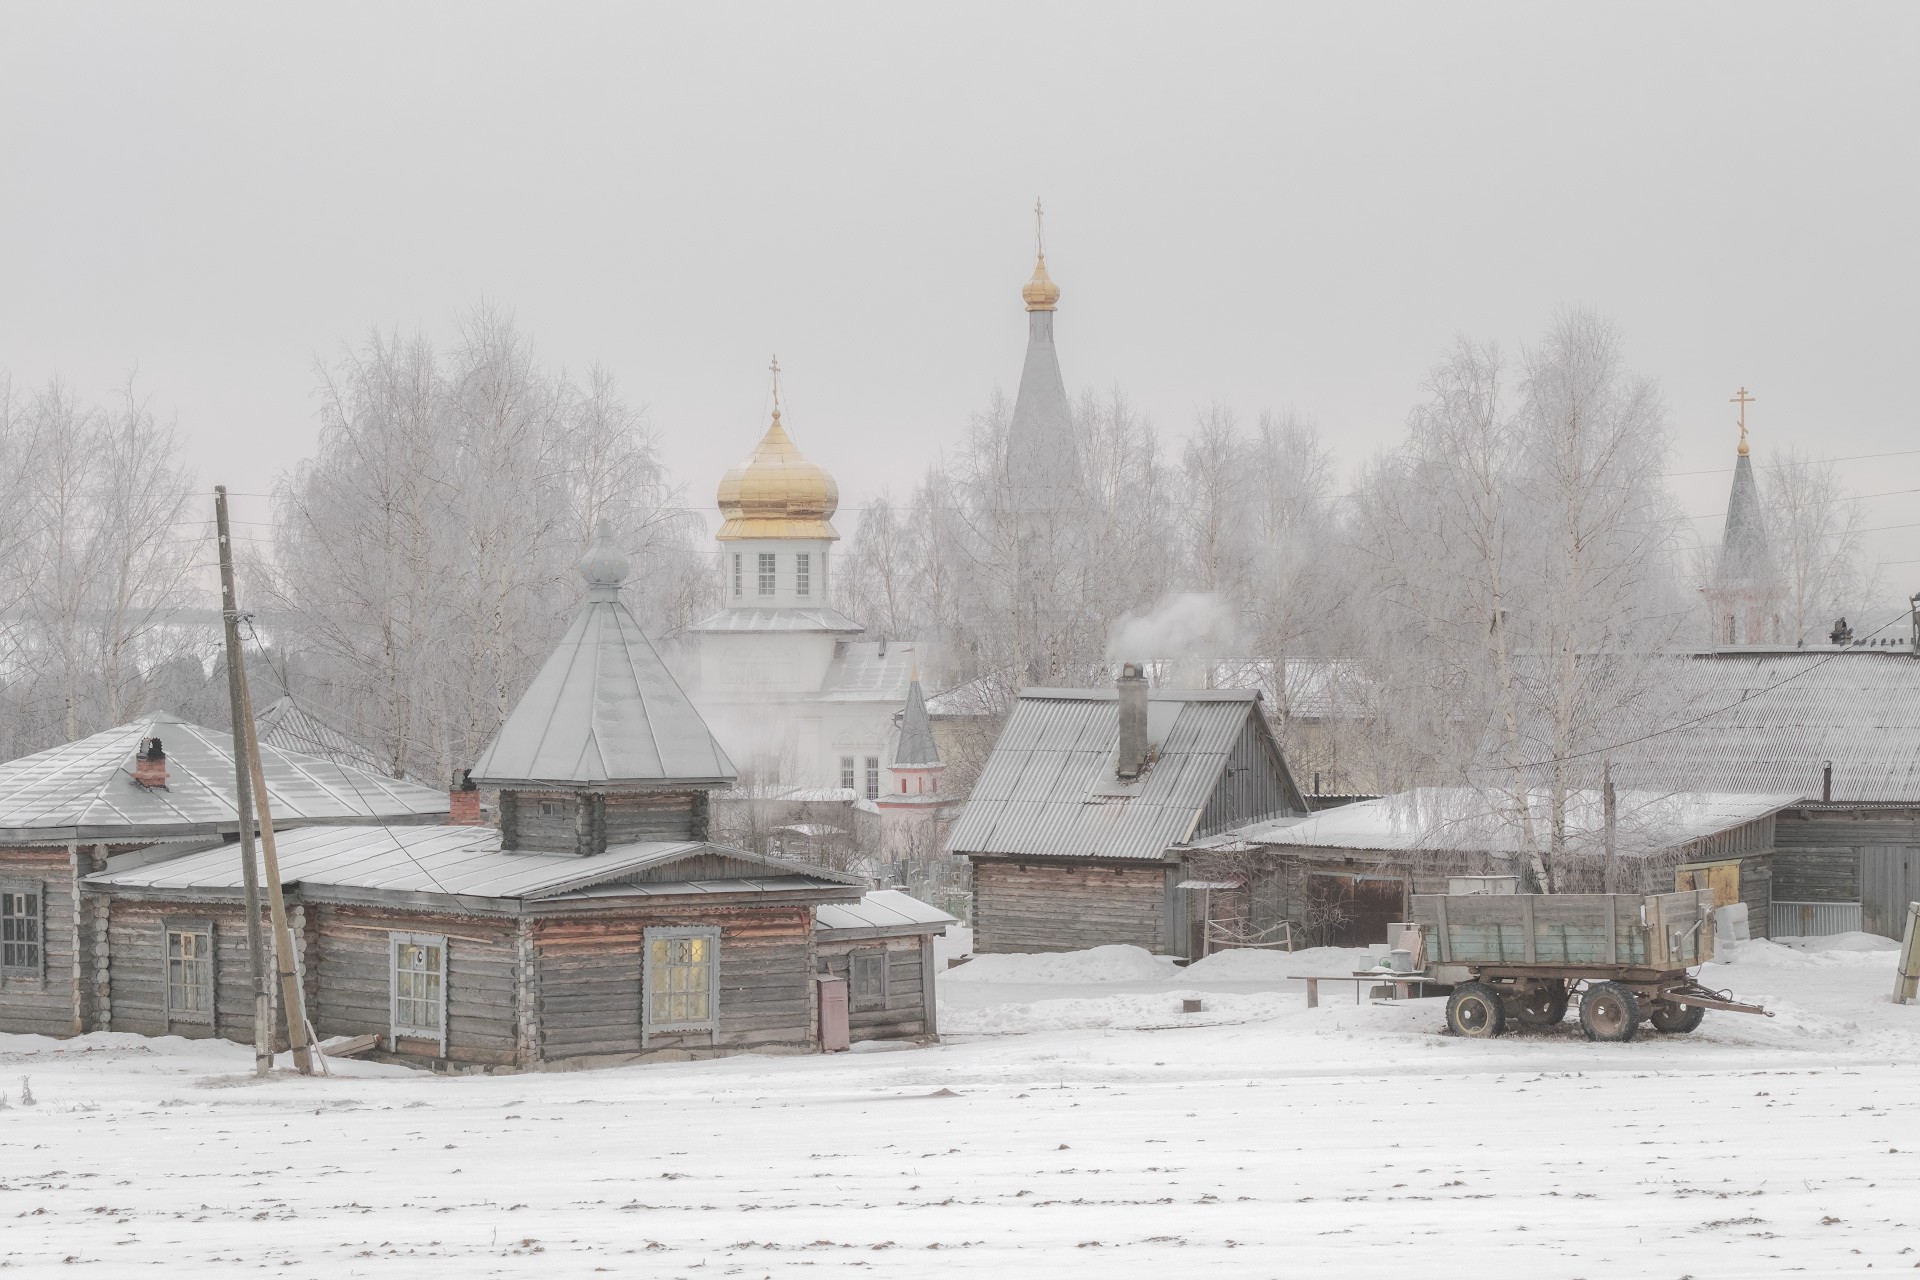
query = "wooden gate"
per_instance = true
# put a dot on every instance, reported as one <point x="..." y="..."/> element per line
<point x="1889" y="880"/>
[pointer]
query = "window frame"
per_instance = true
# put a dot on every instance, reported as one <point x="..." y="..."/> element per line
<point x="858" y="1001"/>
<point x="663" y="933"/>
<point x="737" y="583"/>
<point x="849" y="772"/>
<point x="768" y="576"/>
<point x="209" y="986"/>
<point x="35" y="969"/>
<point x="873" y="778"/>
<point x="802" y="574"/>
<point x="395" y="1028"/>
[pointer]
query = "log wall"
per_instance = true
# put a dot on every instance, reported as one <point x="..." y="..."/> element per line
<point x="1067" y="906"/>
<point x="908" y="1013"/>
<point x="48" y="1004"/>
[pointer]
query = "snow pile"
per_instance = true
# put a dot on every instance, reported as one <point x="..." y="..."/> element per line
<point x="1249" y="965"/>
<point x="1114" y="963"/>
<point x="1765" y="954"/>
<point x="1136" y="1011"/>
<point x="1853" y="940"/>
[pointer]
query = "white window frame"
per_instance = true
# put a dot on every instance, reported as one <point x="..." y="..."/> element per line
<point x="769" y="574"/>
<point x="849" y="777"/>
<point x="36" y="966"/>
<point x="209" y="986"/>
<point x="711" y="1023"/>
<point x="802" y="574"/>
<point x="873" y="777"/>
<point x="396" y="1028"/>
<point x="856" y="1002"/>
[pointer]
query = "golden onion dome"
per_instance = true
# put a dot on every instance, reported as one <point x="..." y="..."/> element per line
<point x="1041" y="293"/>
<point x="776" y="493"/>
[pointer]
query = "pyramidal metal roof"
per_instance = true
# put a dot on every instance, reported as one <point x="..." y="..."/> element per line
<point x="604" y="709"/>
<point x="85" y="790"/>
<point x="916" y="732"/>
<point x="294" y="726"/>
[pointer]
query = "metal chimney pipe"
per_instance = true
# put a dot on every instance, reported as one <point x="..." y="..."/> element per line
<point x="1131" y="688"/>
<point x="1826" y="782"/>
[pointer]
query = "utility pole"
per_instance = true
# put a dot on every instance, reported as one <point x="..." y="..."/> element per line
<point x="1611" y="823"/>
<point x="243" y="789"/>
<point x="292" y="999"/>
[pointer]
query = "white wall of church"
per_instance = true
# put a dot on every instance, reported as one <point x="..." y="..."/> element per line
<point x="795" y="576"/>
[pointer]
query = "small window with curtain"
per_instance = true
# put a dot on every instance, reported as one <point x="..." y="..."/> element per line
<point x="768" y="572"/>
<point x="873" y="777"/>
<point x="869" y="979"/>
<point x="736" y="574"/>
<point x="681" y="979"/>
<point x="420" y="987"/>
<point x="803" y="574"/>
<point x="190" y="973"/>
<point x="846" y="772"/>
<point x="22" y="917"/>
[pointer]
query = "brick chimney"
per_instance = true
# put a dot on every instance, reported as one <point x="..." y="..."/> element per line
<point x="463" y="808"/>
<point x="1132" y="689"/>
<point x="150" y="764"/>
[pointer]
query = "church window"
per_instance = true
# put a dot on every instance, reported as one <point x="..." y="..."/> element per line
<point x="873" y="777"/>
<point x="767" y="562"/>
<point x="903" y="786"/>
<point x="736" y="573"/>
<point x="846" y="772"/>
<point x="802" y="574"/>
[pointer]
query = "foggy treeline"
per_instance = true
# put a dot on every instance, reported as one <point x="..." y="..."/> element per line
<point x="1482" y="603"/>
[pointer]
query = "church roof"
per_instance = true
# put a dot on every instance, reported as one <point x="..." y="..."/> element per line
<point x="85" y="790"/>
<point x="604" y="708"/>
<point x="916" y="732"/>
<point x="776" y="492"/>
<point x="1040" y="448"/>
<point x="805" y="618"/>
<point x="1745" y="554"/>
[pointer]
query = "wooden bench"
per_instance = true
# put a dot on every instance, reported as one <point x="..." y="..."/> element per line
<point x="1399" y="982"/>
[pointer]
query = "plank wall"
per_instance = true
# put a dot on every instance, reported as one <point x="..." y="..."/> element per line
<point x="1066" y="906"/>
<point x="590" y="822"/>
<point x="44" y="1005"/>
<point x="1252" y="786"/>
<point x="137" y="970"/>
<point x="906" y="1015"/>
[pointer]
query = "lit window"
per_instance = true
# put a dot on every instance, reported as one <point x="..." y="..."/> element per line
<point x="846" y="772"/>
<point x="190" y="973"/>
<point x="20" y="923"/>
<point x="681" y="978"/>
<point x="736" y="573"/>
<point x="767" y="562"/>
<point x="873" y="777"/>
<point x="869" y="979"/>
<point x="420" y="987"/>
<point x="802" y="574"/>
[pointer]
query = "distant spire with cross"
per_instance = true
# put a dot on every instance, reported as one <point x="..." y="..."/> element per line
<point x="1743" y="400"/>
<point x="773" y="372"/>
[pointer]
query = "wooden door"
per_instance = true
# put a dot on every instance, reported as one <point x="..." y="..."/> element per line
<point x="1722" y="877"/>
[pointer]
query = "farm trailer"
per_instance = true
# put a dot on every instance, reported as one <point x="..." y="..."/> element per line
<point x="1526" y="956"/>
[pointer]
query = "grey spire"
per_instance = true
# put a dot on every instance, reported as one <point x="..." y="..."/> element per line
<point x="1040" y="451"/>
<point x="916" y="732"/>
<point x="1745" y="555"/>
<point x="604" y="708"/>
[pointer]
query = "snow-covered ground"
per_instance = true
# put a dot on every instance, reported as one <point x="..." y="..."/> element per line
<point x="1077" y="1124"/>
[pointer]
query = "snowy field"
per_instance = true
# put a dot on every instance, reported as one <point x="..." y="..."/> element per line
<point x="1076" y="1124"/>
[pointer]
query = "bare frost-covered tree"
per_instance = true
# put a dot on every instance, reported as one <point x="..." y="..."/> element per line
<point x="1816" y="532"/>
<point x="423" y="560"/>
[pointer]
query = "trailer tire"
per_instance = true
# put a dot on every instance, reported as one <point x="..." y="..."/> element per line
<point x="1543" y="1006"/>
<point x="1609" y="1011"/>
<point x="1474" y="1011"/>
<point x="1674" y="1019"/>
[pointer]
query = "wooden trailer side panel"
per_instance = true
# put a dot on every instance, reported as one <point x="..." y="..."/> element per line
<point x="1667" y="931"/>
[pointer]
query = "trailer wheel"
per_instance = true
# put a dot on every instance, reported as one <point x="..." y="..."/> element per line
<point x="1609" y="1011"/>
<point x="1473" y="1010"/>
<point x="1543" y="1005"/>
<point x="1676" y="1019"/>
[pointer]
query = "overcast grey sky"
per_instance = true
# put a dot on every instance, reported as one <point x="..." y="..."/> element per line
<point x="1267" y="205"/>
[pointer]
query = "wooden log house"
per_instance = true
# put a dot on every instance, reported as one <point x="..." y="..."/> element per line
<point x="882" y="947"/>
<point x="139" y="792"/>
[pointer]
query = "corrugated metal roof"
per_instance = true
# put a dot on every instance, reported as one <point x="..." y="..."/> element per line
<point x="1048" y="788"/>
<point x="880" y="909"/>
<point x="1465" y="818"/>
<point x="85" y="790"/>
<point x="293" y="726"/>
<point x="465" y="861"/>
<point x="1768" y="721"/>
<point x="815" y="618"/>
<point x="603" y="709"/>
<point x="1304" y="688"/>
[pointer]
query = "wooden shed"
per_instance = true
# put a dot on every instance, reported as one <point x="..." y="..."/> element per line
<point x="882" y="947"/>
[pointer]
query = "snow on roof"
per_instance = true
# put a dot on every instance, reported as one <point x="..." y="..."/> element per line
<point x="817" y="618"/>
<point x="1048" y="787"/>
<point x="870" y="671"/>
<point x="604" y="709"/>
<point x="881" y="909"/>
<point x="85" y="790"/>
<point x="464" y="861"/>
<point x="1435" y="818"/>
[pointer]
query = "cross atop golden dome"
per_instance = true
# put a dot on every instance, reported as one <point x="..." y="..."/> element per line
<point x="1041" y="293"/>
<point x="775" y="492"/>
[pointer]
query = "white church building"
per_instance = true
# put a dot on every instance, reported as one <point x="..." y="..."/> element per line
<point x="801" y="700"/>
